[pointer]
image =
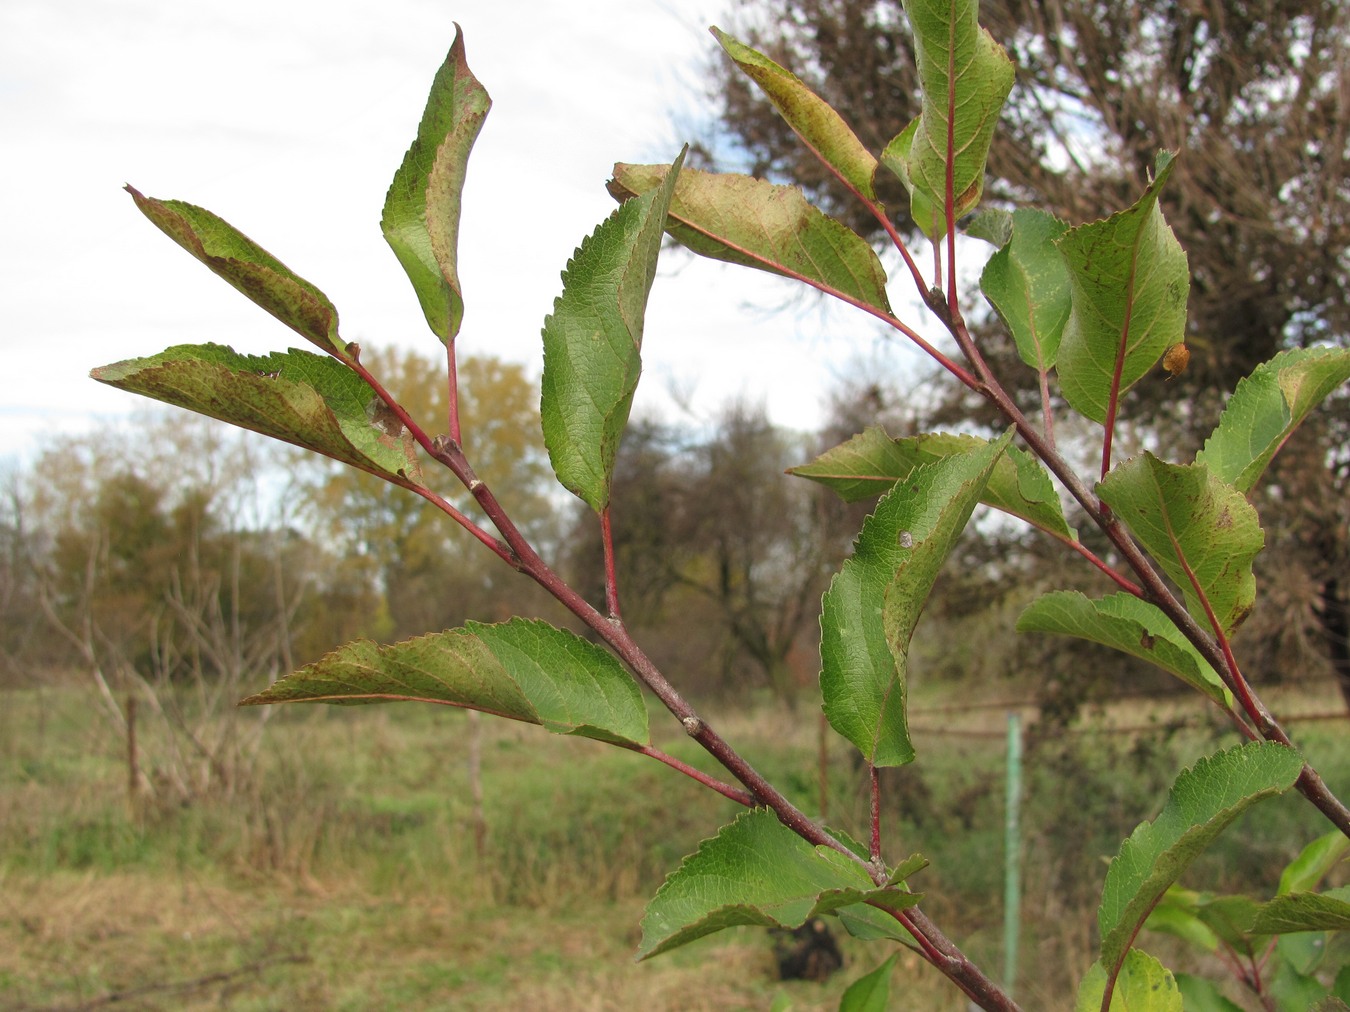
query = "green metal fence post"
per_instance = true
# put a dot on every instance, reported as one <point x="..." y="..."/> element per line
<point x="1012" y="855"/>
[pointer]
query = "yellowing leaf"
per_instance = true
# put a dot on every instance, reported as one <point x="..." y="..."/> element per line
<point x="756" y="224"/>
<point x="421" y="211"/>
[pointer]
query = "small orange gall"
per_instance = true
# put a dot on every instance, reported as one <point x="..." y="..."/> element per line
<point x="1177" y="358"/>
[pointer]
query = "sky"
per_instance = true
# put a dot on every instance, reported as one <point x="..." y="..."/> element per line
<point x="288" y="118"/>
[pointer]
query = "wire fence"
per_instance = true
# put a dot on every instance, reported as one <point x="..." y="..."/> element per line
<point x="1160" y="724"/>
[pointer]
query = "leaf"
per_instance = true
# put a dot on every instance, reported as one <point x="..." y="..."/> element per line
<point x="1193" y="525"/>
<point x="756" y="871"/>
<point x="993" y="224"/>
<point x="1313" y="862"/>
<point x="811" y="118"/>
<point x="306" y="399"/>
<point x="593" y="343"/>
<point x="1227" y="917"/>
<point x="1125" y="623"/>
<point x="1204" y="800"/>
<point x="1340" y="989"/>
<point x="870" y="924"/>
<point x="1267" y="407"/>
<point x="726" y="216"/>
<point x="1028" y="283"/>
<point x="1177" y="914"/>
<point x="248" y="267"/>
<point x="1304" y="911"/>
<point x="873" y="603"/>
<point x="961" y="68"/>
<point x="1143" y="985"/>
<point x="421" y="211"/>
<point x="872" y="992"/>
<point x="871" y="462"/>
<point x="1130" y="284"/>
<point x="1201" y="995"/>
<point x="1296" y="991"/>
<point x="1301" y="951"/>
<point x="522" y="669"/>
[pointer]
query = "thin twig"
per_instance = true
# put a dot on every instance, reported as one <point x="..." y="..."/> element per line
<point x="452" y="390"/>
<point x="611" y="565"/>
<point x="726" y="790"/>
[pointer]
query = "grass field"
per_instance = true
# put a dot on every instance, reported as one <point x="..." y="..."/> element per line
<point x="341" y="873"/>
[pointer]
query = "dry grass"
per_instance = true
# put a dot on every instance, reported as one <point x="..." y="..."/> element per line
<point x="178" y="942"/>
<point x="342" y="876"/>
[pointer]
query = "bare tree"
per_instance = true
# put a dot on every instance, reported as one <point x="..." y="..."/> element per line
<point x="1256" y="97"/>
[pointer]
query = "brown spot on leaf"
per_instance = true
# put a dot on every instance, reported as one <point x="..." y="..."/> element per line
<point x="383" y="418"/>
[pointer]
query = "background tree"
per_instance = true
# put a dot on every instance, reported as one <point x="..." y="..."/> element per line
<point x="722" y="558"/>
<point x="154" y="572"/>
<point x="21" y="648"/>
<point x="430" y="578"/>
<point x="1255" y="96"/>
<point x="767" y="554"/>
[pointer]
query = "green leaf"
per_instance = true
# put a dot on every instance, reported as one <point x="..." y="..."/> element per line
<point x="1267" y="407"/>
<point x="749" y="222"/>
<point x="993" y="224"/>
<point x="1201" y="995"/>
<point x="1304" y="911"/>
<point x="872" y="992"/>
<point x="1130" y="284"/>
<point x="1143" y="985"/>
<point x="1028" y="283"/>
<point x="1301" y="951"/>
<point x="756" y="871"/>
<point x="306" y="399"/>
<point x="1177" y="914"/>
<point x="1124" y="622"/>
<point x="1313" y="862"/>
<point x="961" y="68"/>
<point x="873" y="603"/>
<point x="522" y="669"/>
<point x="1203" y="801"/>
<point x="593" y="343"/>
<point x="421" y="211"/>
<point x="811" y="118"/>
<point x="903" y="871"/>
<point x="871" y="462"/>
<point x="868" y="922"/>
<point x="1202" y="532"/>
<point x="1341" y="988"/>
<point x="871" y="925"/>
<point x="248" y="267"/>
<point x="1298" y="992"/>
<point x="1228" y="918"/>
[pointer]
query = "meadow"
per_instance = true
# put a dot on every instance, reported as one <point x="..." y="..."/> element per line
<point x="339" y="869"/>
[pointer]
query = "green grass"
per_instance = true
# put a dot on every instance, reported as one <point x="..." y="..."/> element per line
<point x="342" y="873"/>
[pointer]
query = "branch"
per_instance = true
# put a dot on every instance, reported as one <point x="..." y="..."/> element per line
<point x="611" y="566"/>
<point x="712" y="783"/>
<point x="1154" y="590"/>
<point x="949" y="185"/>
<point x="876" y="816"/>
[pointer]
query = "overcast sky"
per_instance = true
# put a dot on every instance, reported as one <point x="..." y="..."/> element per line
<point x="288" y="118"/>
